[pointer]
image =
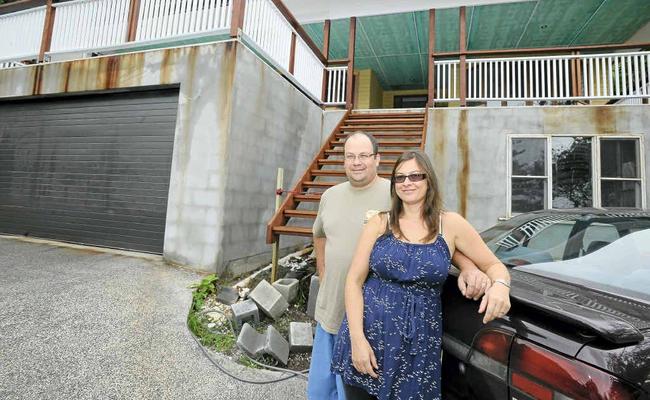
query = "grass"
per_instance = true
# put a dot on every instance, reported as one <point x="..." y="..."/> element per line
<point x="221" y="340"/>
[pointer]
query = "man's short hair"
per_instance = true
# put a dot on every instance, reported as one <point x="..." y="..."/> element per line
<point x="373" y="141"/>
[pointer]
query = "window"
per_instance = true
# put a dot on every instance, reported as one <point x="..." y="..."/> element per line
<point x="563" y="172"/>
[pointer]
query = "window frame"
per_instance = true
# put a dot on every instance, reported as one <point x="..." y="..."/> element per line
<point x="595" y="165"/>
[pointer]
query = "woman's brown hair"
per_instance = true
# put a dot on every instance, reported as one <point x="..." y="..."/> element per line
<point x="432" y="200"/>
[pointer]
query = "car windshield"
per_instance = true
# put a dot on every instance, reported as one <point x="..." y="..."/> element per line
<point x="552" y="237"/>
<point x="622" y="268"/>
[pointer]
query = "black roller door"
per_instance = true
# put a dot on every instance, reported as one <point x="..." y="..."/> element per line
<point x="90" y="169"/>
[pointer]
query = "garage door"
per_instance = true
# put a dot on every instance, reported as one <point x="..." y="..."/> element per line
<point x="88" y="169"/>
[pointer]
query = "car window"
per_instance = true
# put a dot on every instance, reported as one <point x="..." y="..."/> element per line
<point x="622" y="267"/>
<point x="552" y="239"/>
<point x="598" y="235"/>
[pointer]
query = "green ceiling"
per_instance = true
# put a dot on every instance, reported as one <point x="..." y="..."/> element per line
<point x="395" y="45"/>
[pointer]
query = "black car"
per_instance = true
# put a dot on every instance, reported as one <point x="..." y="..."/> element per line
<point x="579" y="326"/>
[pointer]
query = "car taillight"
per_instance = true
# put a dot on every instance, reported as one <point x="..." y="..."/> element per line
<point x="545" y="375"/>
<point x="490" y="352"/>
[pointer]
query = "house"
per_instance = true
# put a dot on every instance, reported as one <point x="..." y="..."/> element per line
<point x="160" y="125"/>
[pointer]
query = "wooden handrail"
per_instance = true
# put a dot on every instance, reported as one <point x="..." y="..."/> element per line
<point x="300" y="31"/>
<point x="541" y="50"/>
<point x="332" y="63"/>
<point x="289" y="202"/>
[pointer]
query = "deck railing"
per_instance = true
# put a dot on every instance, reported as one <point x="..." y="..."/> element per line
<point x="564" y="77"/>
<point x="89" y="24"/>
<point x="21" y="32"/>
<point x="336" y="83"/>
<point x="173" y="18"/>
<point x="92" y="26"/>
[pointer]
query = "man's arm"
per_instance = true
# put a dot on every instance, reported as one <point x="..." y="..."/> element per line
<point x="319" y="249"/>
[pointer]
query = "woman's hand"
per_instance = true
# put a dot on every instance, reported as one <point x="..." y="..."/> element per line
<point x="495" y="303"/>
<point x="363" y="358"/>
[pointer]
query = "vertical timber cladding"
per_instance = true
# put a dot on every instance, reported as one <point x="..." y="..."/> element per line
<point x="91" y="169"/>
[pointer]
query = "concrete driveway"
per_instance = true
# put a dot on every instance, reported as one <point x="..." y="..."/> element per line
<point x="87" y="324"/>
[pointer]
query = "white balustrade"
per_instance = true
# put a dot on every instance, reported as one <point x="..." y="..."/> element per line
<point x="89" y="24"/>
<point x="265" y="25"/>
<point x="446" y="76"/>
<point x="336" y="85"/>
<point x="160" y="19"/>
<point x="615" y="75"/>
<point x="308" y="69"/>
<point x="21" y="32"/>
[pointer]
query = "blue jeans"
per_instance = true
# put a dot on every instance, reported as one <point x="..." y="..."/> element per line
<point x="323" y="384"/>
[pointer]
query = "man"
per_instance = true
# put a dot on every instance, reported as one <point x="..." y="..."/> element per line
<point x="336" y="230"/>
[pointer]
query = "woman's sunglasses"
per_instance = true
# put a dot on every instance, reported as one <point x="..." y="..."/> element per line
<point x="417" y="177"/>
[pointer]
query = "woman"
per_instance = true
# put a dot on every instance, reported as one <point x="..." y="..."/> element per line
<point x="388" y="346"/>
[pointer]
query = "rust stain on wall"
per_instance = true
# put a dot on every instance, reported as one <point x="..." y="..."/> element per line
<point x="165" y="67"/>
<point x="111" y="73"/>
<point x="38" y="79"/>
<point x="131" y="70"/>
<point x="66" y="77"/>
<point x="604" y="120"/>
<point x="227" y="81"/>
<point x="463" y="163"/>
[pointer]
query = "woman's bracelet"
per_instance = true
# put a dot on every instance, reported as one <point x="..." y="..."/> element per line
<point x="501" y="281"/>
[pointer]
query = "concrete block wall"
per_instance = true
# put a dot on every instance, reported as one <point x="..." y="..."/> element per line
<point x="273" y="125"/>
<point x="468" y="147"/>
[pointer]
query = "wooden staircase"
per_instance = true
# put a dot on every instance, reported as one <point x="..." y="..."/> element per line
<point x="395" y="131"/>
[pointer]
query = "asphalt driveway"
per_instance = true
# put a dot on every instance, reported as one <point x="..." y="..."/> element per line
<point x="86" y="324"/>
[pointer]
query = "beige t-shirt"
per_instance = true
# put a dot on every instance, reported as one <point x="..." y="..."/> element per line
<point x="340" y="219"/>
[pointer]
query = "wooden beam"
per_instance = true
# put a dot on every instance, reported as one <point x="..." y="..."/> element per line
<point x="462" y="71"/>
<point x="431" y="92"/>
<point x="237" y="21"/>
<point x="326" y="52"/>
<point x="578" y="77"/>
<point x="9" y="8"/>
<point x="534" y="50"/>
<point x="326" y="38"/>
<point x="292" y="53"/>
<point x="349" y="85"/>
<point x="48" y="29"/>
<point x="134" y="13"/>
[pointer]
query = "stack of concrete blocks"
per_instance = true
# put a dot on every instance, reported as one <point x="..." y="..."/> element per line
<point x="314" y="285"/>
<point x="269" y="300"/>
<point x="301" y="337"/>
<point x="245" y="311"/>
<point x="288" y="287"/>
<point x="255" y="344"/>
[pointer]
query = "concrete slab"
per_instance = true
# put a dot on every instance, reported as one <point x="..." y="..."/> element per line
<point x="269" y="299"/>
<point x="301" y="337"/>
<point x="245" y="311"/>
<point x="227" y="295"/>
<point x="288" y="287"/>
<point x="314" y="285"/>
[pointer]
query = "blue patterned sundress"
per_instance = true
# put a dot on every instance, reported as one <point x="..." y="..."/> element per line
<point x="402" y="320"/>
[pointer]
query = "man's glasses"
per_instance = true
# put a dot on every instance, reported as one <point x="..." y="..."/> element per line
<point x="363" y="157"/>
<point x="416" y="177"/>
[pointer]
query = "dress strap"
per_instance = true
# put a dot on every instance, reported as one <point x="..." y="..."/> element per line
<point x="440" y="224"/>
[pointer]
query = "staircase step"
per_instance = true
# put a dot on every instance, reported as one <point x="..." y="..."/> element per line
<point x="300" y="213"/>
<point x="325" y="161"/>
<point x="312" y="198"/>
<point x="386" y="135"/>
<point x="340" y="172"/>
<point x="377" y="127"/>
<point x="396" y="143"/>
<point x="292" y="230"/>
<point x="313" y="184"/>
<point x="386" y="115"/>
<point x="381" y="152"/>
<point x="385" y="121"/>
